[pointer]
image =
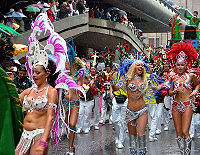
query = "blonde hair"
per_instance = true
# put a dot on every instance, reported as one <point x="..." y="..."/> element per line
<point x="131" y="74"/>
<point x="78" y="64"/>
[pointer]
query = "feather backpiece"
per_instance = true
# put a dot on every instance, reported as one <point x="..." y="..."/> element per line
<point x="71" y="53"/>
<point x="42" y="23"/>
<point x="58" y="48"/>
<point x="63" y="82"/>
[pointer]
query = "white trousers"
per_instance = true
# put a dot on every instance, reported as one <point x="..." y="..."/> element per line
<point x="104" y="109"/>
<point x="96" y="109"/>
<point x="85" y="114"/>
<point x="118" y="119"/>
<point x="166" y="113"/>
<point x="154" y="118"/>
<point x="195" y="125"/>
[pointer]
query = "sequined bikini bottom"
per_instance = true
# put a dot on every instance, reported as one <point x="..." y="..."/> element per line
<point x="180" y="106"/>
<point x="72" y="104"/>
<point x="133" y="115"/>
<point x="27" y="139"/>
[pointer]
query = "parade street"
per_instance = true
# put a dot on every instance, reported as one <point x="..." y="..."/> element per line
<point x="102" y="142"/>
<point x="99" y="77"/>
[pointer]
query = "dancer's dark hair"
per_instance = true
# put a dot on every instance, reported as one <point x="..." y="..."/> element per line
<point x="52" y="76"/>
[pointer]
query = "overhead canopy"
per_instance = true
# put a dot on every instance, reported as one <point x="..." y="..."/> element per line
<point x="151" y="16"/>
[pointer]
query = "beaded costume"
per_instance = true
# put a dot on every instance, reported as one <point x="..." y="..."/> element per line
<point x="56" y="51"/>
<point x="183" y="53"/>
<point x="138" y="87"/>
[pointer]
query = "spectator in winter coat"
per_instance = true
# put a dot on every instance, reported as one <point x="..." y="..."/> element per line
<point x="63" y="10"/>
<point x="102" y="14"/>
<point x="80" y="7"/>
<point x="55" y="10"/>
<point x="50" y="13"/>
<point x="71" y="8"/>
<point x="20" y="22"/>
<point x="108" y="16"/>
<point x="97" y="13"/>
<point x="91" y="13"/>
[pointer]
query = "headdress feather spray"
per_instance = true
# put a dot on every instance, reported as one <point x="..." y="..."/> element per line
<point x="182" y="51"/>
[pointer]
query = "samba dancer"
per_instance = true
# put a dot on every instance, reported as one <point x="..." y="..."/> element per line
<point x="40" y="100"/>
<point x="154" y="108"/>
<point x="72" y="100"/>
<point x="137" y="112"/>
<point x="85" y="112"/>
<point x="154" y="99"/>
<point x="194" y="132"/>
<point x="99" y="89"/>
<point x="120" y="101"/>
<point x="167" y="110"/>
<point x="183" y="55"/>
<point x="107" y="76"/>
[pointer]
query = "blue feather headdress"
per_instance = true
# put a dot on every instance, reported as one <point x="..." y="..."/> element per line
<point x="83" y="73"/>
<point x="124" y="67"/>
<point x="71" y="51"/>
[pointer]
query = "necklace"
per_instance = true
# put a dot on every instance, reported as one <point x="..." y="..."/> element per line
<point x="40" y="90"/>
<point x="137" y="77"/>
<point x="182" y="77"/>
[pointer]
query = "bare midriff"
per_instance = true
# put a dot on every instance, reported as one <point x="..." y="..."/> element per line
<point x="35" y="120"/>
<point x="183" y="96"/>
<point x="135" y="104"/>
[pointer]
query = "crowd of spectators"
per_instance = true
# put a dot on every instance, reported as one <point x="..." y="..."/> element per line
<point x="53" y="8"/>
<point x="19" y="75"/>
<point x="57" y="11"/>
<point x="71" y="8"/>
<point x="116" y="16"/>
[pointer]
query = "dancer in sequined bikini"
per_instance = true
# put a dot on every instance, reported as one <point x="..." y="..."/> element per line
<point x="72" y="100"/>
<point x="137" y="113"/>
<point x="40" y="101"/>
<point x="183" y="55"/>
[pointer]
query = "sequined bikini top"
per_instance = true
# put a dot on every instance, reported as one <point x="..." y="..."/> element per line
<point x="133" y="87"/>
<point x="186" y="84"/>
<point x="39" y="104"/>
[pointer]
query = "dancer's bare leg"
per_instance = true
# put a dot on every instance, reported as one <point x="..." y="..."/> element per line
<point x="72" y="123"/>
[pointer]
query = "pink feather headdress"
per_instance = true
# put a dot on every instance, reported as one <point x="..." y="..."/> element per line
<point x="56" y="46"/>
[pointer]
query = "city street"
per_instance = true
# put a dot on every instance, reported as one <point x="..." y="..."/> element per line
<point x="85" y="62"/>
<point x="102" y="142"/>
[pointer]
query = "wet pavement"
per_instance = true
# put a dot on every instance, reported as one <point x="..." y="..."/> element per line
<point x="102" y="142"/>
